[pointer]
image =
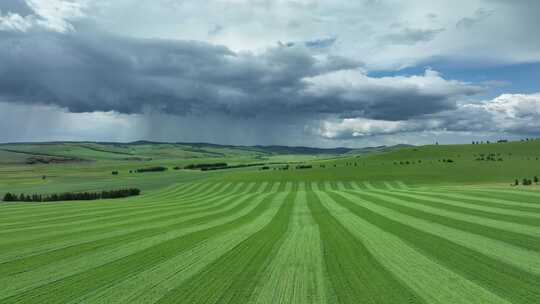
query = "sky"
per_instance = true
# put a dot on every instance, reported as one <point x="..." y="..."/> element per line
<point x="320" y="73"/>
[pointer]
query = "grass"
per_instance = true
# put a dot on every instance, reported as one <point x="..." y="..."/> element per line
<point x="275" y="242"/>
<point x="345" y="234"/>
<point x="520" y="160"/>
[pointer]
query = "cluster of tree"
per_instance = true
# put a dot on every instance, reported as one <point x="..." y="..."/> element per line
<point x="489" y="157"/>
<point x="205" y="166"/>
<point x="446" y="160"/>
<point x="488" y="142"/>
<point x="502" y="141"/>
<point x="304" y="167"/>
<point x="232" y="167"/>
<point x="402" y="162"/>
<point x="72" y="196"/>
<point x="407" y="162"/>
<point x="151" y="169"/>
<point x="526" y="181"/>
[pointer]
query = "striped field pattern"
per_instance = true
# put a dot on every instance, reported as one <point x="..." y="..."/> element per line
<point x="276" y="242"/>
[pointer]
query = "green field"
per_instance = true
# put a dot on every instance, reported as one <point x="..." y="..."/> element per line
<point x="355" y="228"/>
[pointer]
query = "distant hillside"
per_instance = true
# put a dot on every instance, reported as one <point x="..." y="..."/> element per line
<point x="500" y="163"/>
<point x="278" y="149"/>
<point x="431" y="164"/>
<point x="57" y="152"/>
<point x="301" y="150"/>
<point x="505" y="150"/>
<point x="271" y="149"/>
<point x="379" y="149"/>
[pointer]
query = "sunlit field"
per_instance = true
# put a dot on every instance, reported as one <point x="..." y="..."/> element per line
<point x="340" y="231"/>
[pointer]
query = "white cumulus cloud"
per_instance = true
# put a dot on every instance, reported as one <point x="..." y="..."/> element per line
<point x="507" y="113"/>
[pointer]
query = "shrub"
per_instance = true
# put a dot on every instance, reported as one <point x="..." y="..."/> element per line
<point x="152" y="169"/>
<point x="114" y="173"/>
<point x="8" y="197"/>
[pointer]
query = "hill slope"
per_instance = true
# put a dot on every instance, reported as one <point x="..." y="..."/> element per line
<point x="144" y="150"/>
<point x="434" y="164"/>
<point x="87" y="166"/>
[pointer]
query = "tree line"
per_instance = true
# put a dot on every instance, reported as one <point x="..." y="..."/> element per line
<point x="151" y="169"/>
<point x="527" y="182"/>
<point x="500" y="141"/>
<point x="206" y="166"/>
<point x="71" y="196"/>
<point x="220" y="166"/>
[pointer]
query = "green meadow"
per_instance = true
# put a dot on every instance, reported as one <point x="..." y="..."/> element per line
<point x="426" y="224"/>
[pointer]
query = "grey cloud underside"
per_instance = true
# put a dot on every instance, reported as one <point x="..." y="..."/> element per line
<point x="381" y="105"/>
<point x="19" y="7"/>
<point x="88" y="71"/>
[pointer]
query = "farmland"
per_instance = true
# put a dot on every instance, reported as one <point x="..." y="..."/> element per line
<point x="354" y="228"/>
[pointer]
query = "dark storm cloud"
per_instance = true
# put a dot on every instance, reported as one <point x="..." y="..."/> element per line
<point x="393" y="104"/>
<point x="89" y="71"/>
<point x="86" y="73"/>
<point x="387" y="98"/>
